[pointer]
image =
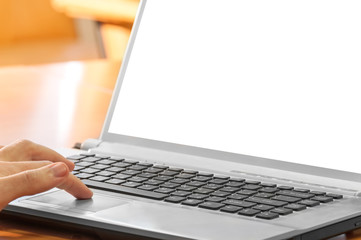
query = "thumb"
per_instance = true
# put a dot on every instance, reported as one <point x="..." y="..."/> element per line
<point x="31" y="182"/>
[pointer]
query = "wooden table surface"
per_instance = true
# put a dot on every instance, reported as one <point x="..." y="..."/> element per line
<point x="58" y="105"/>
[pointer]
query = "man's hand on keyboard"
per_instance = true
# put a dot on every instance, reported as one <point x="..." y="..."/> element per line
<point x="27" y="168"/>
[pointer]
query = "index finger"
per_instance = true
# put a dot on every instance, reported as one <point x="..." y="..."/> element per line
<point x="75" y="187"/>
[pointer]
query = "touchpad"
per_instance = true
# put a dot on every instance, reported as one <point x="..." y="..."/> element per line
<point x="63" y="200"/>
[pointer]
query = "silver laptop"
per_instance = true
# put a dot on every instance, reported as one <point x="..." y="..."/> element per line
<point x="209" y="92"/>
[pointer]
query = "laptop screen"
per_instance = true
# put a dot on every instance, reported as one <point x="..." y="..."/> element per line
<point x="277" y="79"/>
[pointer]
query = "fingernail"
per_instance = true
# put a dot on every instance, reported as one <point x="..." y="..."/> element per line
<point x="59" y="170"/>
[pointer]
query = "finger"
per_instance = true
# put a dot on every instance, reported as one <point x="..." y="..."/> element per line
<point x="31" y="182"/>
<point x="25" y="150"/>
<point x="11" y="168"/>
<point x="75" y="187"/>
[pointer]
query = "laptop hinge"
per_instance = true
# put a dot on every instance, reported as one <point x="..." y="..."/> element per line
<point x="90" y="143"/>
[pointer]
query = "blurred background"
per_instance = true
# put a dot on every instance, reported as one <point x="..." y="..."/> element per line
<point x="59" y="61"/>
<point x="47" y="31"/>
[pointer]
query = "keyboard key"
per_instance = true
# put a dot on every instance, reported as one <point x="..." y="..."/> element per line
<point x="160" y="166"/>
<point x="102" y="156"/>
<point x="170" y="185"/>
<point x="196" y="184"/>
<point x="221" y="177"/>
<point x="186" y="188"/>
<point x="295" y="207"/>
<point x="154" y="182"/>
<point x="78" y="168"/>
<point x="153" y="170"/>
<point x="99" y="178"/>
<point x="220" y="194"/>
<point x="203" y="191"/>
<point x="147" y="175"/>
<point x="266" y="201"/>
<point x="125" y="190"/>
<point x="105" y="173"/>
<point x="323" y="199"/>
<point x="181" y="193"/>
<point x="268" y="185"/>
<point x="89" y="170"/>
<point x="131" y="184"/>
<point x="132" y="162"/>
<point x="230" y="209"/>
<point x="286" y="198"/>
<point x="137" y="179"/>
<point x="185" y="175"/>
<point x="281" y="211"/>
<point x="201" y="179"/>
<point x="309" y="203"/>
<point x="163" y="178"/>
<point x="164" y="190"/>
<point x="100" y="166"/>
<point x="122" y="176"/>
<point x="168" y="173"/>
<point x="237" y="196"/>
<point x="121" y="165"/>
<point x="179" y="180"/>
<point x="212" y="186"/>
<point x="252" y="182"/>
<point x="137" y="167"/>
<point x="334" y="196"/>
<point x="145" y="164"/>
<point x="211" y="205"/>
<point x="116" y="169"/>
<point x="190" y="172"/>
<point x="84" y="175"/>
<point x="118" y="159"/>
<point x="318" y="193"/>
<point x="239" y="203"/>
<point x="301" y="190"/>
<point x="269" y="190"/>
<point x="263" y="207"/>
<point x="148" y="187"/>
<point x="175" y="169"/>
<point x="106" y="161"/>
<point x="174" y="199"/>
<point x="247" y="192"/>
<point x="131" y="172"/>
<point x="90" y="159"/>
<point x="84" y="164"/>
<point x="295" y="194"/>
<point x="249" y="212"/>
<point x="218" y="181"/>
<point x="205" y="174"/>
<point x="198" y="196"/>
<point x="251" y="187"/>
<point x="229" y="189"/>
<point x="234" y="184"/>
<point x="264" y="195"/>
<point x="267" y="215"/>
<point x="192" y="202"/>
<point x="215" y="199"/>
<point x="285" y="187"/>
<point x="87" y="154"/>
<point x="115" y="181"/>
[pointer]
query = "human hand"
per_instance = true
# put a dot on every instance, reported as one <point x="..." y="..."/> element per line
<point x="27" y="168"/>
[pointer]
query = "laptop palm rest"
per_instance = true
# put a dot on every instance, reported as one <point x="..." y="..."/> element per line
<point x="156" y="219"/>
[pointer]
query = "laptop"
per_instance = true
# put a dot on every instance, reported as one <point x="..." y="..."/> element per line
<point x="229" y="120"/>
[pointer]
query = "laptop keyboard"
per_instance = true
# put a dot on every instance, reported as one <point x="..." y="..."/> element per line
<point x="197" y="189"/>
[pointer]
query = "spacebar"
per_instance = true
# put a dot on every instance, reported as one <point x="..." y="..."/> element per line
<point x="124" y="190"/>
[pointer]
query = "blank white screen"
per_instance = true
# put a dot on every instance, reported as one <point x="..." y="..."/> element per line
<point x="277" y="79"/>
